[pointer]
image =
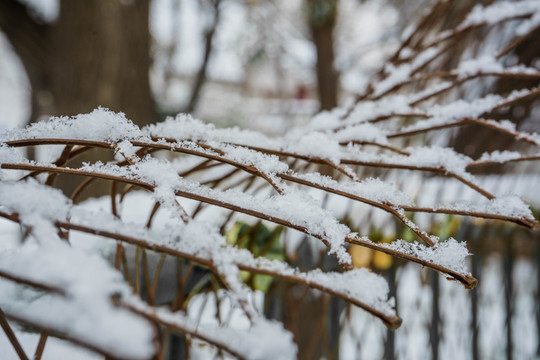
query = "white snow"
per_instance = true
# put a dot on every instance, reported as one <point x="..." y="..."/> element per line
<point x="38" y="206"/>
<point x="499" y="11"/>
<point x="500" y="156"/>
<point x="265" y="339"/>
<point x="505" y="205"/>
<point x="488" y="64"/>
<point x="450" y="253"/>
<point x="100" y="125"/>
<point x="371" y="189"/>
<point x="86" y="313"/>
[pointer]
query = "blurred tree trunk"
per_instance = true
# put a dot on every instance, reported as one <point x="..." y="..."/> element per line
<point x="95" y="54"/>
<point x="100" y="55"/>
<point x="322" y="19"/>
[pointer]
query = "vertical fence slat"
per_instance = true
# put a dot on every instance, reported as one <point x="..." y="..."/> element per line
<point x="434" y="331"/>
<point x="476" y="270"/>
<point x="390" y="343"/>
<point x="508" y="290"/>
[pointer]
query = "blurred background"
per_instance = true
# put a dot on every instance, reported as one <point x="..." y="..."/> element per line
<point x="270" y="65"/>
<point x="253" y="63"/>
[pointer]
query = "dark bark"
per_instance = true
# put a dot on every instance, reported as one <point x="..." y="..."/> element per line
<point x="95" y="54"/>
<point x="29" y="39"/>
<point x="322" y="19"/>
<point x="99" y="52"/>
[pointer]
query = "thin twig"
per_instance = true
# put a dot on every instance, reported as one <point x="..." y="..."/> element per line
<point x="11" y="336"/>
<point x="41" y="346"/>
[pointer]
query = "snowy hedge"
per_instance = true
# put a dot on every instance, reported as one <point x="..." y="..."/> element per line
<point x="50" y="282"/>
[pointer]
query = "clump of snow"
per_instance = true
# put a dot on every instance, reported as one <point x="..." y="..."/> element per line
<point x="9" y="154"/>
<point x="503" y="124"/>
<point x="296" y="207"/>
<point x="86" y="313"/>
<point x="499" y="11"/>
<point x="450" y="253"/>
<point x="160" y="174"/>
<point x="182" y="127"/>
<point x="386" y="106"/>
<point x="505" y="205"/>
<point x="185" y="127"/>
<point x="326" y="119"/>
<point x="435" y="156"/>
<point x="354" y="284"/>
<point x="127" y="150"/>
<point x="37" y="205"/>
<point x="529" y="25"/>
<point x="364" y="132"/>
<point x="156" y="172"/>
<point x="463" y="109"/>
<point x="500" y="156"/>
<point x="267" y="164"/>
<point x="431" y="157"/>
<point x="406" y="52"/>
<point x="379" y="191"/>
<point x="489" y="64"/>
<point x="484" y="64"/>
<point x="314" y="144"/>
<point x="301" y="209"/>
<point x="282" y="345"/>
<point x="99" y="125"/>
<point x="371" y="189"/>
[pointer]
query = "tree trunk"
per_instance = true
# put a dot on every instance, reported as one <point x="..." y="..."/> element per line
<point x="322" y="19"/>
<point x="99" y="56"/>
<point x="95" y="54"/>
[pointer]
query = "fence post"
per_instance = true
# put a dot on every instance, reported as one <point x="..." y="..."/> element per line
<point x="390" y="343"/>
<point x="508" y="290"/>
<point x="434" y="331"/>
<point x="476" y="270"/>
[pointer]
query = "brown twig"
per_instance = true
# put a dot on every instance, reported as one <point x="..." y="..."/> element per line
<point x="41" y="346"/>
<point x="12" y="337"/>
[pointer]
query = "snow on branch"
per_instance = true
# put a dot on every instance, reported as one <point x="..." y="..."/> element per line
<point x="199" y="178"/>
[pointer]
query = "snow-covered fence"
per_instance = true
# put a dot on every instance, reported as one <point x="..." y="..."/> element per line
<point x="51" y="283"/>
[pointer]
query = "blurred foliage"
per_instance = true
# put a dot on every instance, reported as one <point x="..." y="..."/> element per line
<point x="261" y="240"/>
